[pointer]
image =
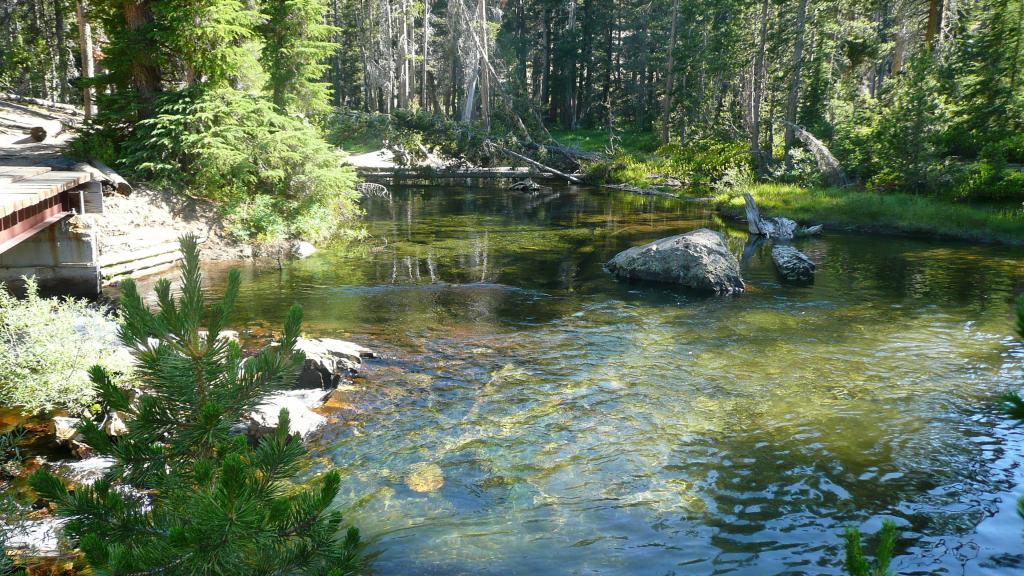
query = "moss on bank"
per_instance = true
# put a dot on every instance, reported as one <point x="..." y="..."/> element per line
<point x="889" y="213"/>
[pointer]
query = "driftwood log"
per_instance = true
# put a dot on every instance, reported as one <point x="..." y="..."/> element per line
<point x="779" y="228"/>
<point x="37" y="133"/>
<point x="120" y="184"/>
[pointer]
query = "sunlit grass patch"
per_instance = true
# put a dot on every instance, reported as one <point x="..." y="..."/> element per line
<point x="897" y="212"/>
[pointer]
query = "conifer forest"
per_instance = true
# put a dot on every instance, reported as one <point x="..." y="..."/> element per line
<point x="511" y="287"/>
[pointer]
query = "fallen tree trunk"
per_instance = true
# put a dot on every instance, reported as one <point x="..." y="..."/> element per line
<point x="120" y="184"/>
<point x="40" y="102"/>
<point x="540" y="166"/>
<point x="827" y="163"/>
<point x="95" y="173"/>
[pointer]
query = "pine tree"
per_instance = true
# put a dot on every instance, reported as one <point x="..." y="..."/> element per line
<point x="202" y="499"/>
<point x="294" y="54"/>
<point x="993" y="87"/>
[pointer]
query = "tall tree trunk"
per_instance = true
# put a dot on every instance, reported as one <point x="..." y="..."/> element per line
<point x="545" y="81"/>
<point x="569" y="81"/>
<point x="138" y="16"/>
<point x="85" y="46"/>
<point x="403" y="58"/>
<point x="484" y="69"/>
<point x="609" y="60"/>
<point x="670" y="76"/>
<point x="793" y="98"/>
<point x="426" y="53"/>
<point x="934" y="22"/>
<point x="757" y="95"/>
<point x="62" y="52"/>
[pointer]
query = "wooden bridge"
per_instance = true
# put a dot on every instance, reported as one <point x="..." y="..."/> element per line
<point x="36" y="237"/>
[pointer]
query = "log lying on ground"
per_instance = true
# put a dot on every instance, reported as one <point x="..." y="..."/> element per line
<point x="96" y="175"/>
<point x="120" y="184"/>
<point x="68" y="108"/>
<point x="540" y="166"/>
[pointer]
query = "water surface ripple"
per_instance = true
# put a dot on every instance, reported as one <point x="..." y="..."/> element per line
<point x="585" y="426"/>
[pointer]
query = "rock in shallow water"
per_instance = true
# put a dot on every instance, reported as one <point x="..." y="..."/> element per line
<point x="328" y="360"/>
<point x="699" y="260"/>
<point x="425" y="477"/>
<point x="300" y="404"/>
<point x="792" y="264"/>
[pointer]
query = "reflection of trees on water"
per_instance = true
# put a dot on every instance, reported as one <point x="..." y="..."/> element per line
<point x="472" y="266"/>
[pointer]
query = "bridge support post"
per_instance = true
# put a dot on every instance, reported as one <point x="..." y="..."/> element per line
<point x="63" y="257"/>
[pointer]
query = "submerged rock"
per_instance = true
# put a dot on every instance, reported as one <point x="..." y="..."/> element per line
<point x="792" y="264"/>
<point x="698" y="260"/>
<point x="425" y="477"/>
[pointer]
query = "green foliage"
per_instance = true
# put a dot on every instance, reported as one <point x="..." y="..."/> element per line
<point x="993" y="82"/>
<point x="209" y="97"/>
<point x="857" y="564"/>
<point x="294" y="49"/>
<point x="237" y="149"/>
<point x="905" y="139"/>
<point x="699" y="166"/>
<point x="213" y="502"/>
<point x="10" y="452"/>
<point x="45" y="345"/>
<point x="598" y="140"/>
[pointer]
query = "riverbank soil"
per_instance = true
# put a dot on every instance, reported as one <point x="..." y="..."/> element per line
<point x="148" y="217"/>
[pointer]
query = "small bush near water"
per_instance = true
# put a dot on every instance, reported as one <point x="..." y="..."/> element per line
<point x="204" y="499"/>
<point x="46" y="345"/>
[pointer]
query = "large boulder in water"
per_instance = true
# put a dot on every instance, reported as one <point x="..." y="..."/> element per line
<point x="698" y="260"/>
<point x="792" y="264"/>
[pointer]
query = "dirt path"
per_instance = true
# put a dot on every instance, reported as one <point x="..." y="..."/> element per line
<point x="148" y="217"/>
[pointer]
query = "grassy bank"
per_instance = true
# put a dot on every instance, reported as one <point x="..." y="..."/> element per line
<point x="889" y="213"/>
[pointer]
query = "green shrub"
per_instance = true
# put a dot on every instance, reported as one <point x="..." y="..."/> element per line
<point x="698" y="165"/>
<point x="237" y="149"/>
<point x="206" y="499"/>
<point x="46" y="345"/>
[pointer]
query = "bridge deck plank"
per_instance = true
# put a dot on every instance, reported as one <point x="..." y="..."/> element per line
<point x="35" y="188"/>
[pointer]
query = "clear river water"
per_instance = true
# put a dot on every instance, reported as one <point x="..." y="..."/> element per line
<point x="586" y="426"/>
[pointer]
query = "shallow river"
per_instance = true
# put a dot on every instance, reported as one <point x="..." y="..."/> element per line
<point x="588" y="426"/>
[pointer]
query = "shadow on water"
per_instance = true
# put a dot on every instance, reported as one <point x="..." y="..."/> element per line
<point x="588" y="426"/>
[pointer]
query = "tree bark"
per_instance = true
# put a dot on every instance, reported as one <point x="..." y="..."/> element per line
<point x="403" y="58"/>
<point x="426" y="53"/>
<point x="793" y="98"/>
<point x="88" y="66"/>
<point x="934" y="22"/>
<point x="138" y="16"/>
<point x="484" y="69"/>
<point x="670" y="76"/>
<point x="757" y="91"/>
